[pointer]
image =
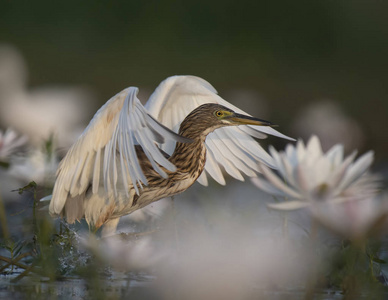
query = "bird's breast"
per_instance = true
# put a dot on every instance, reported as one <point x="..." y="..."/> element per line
<point x="189" y="160"/>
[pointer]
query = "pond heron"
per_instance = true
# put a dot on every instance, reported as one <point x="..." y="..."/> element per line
<point x="131" y="155"/>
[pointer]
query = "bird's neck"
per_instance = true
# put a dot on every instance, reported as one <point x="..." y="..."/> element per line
<point x="190" y="157"/>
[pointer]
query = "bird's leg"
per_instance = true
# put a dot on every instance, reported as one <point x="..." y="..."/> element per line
<point x="110" y="227"/>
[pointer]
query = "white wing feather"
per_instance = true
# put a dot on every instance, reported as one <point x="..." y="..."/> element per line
<point x="123" y="122"/>
<point x="177" y="96"/>
<point x="116" y="127"/>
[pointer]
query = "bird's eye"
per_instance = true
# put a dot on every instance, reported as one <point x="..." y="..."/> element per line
<point x="219" y="113"/>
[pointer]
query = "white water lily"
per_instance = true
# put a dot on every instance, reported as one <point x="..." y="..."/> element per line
<point x="132" y="252"/>
<point x="355" y="220"/>
<point x="10" y="142"/>
<point x="36" y="166"/>
<point x="41" y="111"/>
<point x="306" y="175"/>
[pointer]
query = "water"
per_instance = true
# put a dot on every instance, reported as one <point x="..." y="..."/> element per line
<point x="75" y="288"/>
<point x="122" y="286"/>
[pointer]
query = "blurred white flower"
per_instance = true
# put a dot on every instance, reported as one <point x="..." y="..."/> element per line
<point x="330" y="122"/>
<point x="10" y="142"/>
<point x="43" y="111"/>
<point x="36" y="166"/>
<point x="213" y="252"/>
<point x="231" y="265"/>
<point x="354" y="220"/>
<point x="123" y="253"/>
<point x="306" y="175"/>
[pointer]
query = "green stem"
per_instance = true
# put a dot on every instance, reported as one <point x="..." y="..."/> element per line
<point x="3" y="219"/>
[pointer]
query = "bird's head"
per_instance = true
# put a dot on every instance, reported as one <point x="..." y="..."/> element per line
<point x="226" y="116"/>
<point x="210" y="116"/>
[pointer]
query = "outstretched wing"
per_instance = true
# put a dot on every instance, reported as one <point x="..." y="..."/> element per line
<point x="114" y="130"/>
<point x="233" y="148"/>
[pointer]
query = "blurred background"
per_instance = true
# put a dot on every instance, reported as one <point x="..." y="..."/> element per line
<point x="311" y="67"/>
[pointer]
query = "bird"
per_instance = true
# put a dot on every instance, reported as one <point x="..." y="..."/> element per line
<point x="131" y="155"/>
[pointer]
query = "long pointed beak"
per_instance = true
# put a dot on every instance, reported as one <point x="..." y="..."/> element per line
<point x="247" y="120"/>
